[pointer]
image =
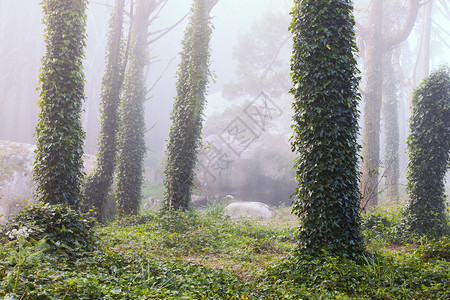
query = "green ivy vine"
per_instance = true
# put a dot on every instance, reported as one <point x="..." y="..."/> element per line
<point x="325" y="82"/>
<point x="97" y="185"/>
<point x="58" y="166"/>
<point x="184" y="137"/>
<point x="429" y="149"/>
<point x="131" y="142"/>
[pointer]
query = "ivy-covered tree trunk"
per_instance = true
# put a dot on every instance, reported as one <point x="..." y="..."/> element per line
<point x="429" y="150"/>
<point x="325" y="80"/>
<point x="58" y="166"/>
<point x="97" y="185"/>
<point x="391" y="129"/>
<point x="131" y="142"/>
<point x="184" y="138"/>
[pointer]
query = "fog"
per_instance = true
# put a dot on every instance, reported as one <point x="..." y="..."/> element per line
<point x="22" y="47"/>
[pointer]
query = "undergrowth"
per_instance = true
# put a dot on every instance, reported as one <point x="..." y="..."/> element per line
<point x="205" y="255"/>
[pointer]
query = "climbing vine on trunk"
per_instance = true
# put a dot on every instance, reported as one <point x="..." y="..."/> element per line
<point x="184" y="138"/>
<point x="325" y="81"/>
<point x="97" y="185"/>
<point x="429" y="149"/>
<point x="131" y="142"/>
<point x="58" y="166"/>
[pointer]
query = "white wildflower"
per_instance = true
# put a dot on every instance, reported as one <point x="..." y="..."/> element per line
<point x="22" y="232"/>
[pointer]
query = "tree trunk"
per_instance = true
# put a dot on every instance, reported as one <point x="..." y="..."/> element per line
<point x="372" y="108"/>
<point x="376" y="48"/>
<point x="131" y="142"/>
<point x="391" y="129"/>
<point x="97" y="185"/>
<point x="185" y="133"/>
<point x="426" y="36"/>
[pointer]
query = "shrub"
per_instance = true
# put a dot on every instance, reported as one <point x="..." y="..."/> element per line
<point x="64" y="229"/>
<point x="384" y="226"/>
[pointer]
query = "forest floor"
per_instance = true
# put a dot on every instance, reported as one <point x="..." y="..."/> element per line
<point x="204" y="255"/>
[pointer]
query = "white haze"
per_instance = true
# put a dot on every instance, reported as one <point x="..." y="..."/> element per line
<point x="22" y="47"/>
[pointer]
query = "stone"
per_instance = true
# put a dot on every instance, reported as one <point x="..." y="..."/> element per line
<point x="199" y="201"/>
<point x="251" y="210"/>
<point x="152" y="203"/>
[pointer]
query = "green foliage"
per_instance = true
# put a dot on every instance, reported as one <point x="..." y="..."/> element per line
<point x="429" y="149"/>
<point x="112" y="276"/>
<point x="383" y="227"/>
<point x="63" y="228"/>
<point x="204" y="257"/>
<point x="18" y="255"/>
<point x="97" y="185"/>
<point x="179" y="233"/>
<point x="140" y="261"/>
<point x="326" y="126"/>
<point x="377" y="276"/>
<point x="58" y="166"/>
<point x="435" y="250"/>
<point x="184" y="137"/>
<point x="131" y="142"/>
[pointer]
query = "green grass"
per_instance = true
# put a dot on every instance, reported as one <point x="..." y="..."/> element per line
<point x="203" y="255"/>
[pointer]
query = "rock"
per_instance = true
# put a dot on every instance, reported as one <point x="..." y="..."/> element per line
<point x="228" y="199"/>
<point x="253" y="210"/>
<point x="16" y="175"/>
<point x="152" y="203"/>
<point x="199" y="201"/>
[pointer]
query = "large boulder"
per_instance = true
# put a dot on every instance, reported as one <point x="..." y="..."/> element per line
<point x="252" y="210"/>
<point x="16" y="175"/>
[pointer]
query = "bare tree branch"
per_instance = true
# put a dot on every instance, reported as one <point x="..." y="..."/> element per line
<point x="161" y="4"/>
<point x="441" y="28"/>
<point x="127" y="48"/>
<point x="160" y="76"/>
<point x="274" y="58"/>
<point x="446" y="8"/>
<point x="102" y="4"/>
<point x="407" y="27"/>
<point x="166" y="30"/>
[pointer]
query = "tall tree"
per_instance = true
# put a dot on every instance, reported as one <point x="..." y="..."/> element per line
<point x="184" y="138"/>
<point x="325" y="81"/>
<point x="391" y="129"/>
<point x="97" y="185"/>
<point x="376" y="46"/>
<point x="58" y="166"/>
<point x="429" y="152"/>
<point x="131" y="142"/>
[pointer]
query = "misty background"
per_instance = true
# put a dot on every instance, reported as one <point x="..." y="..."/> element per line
<point x="22" y="47"/>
